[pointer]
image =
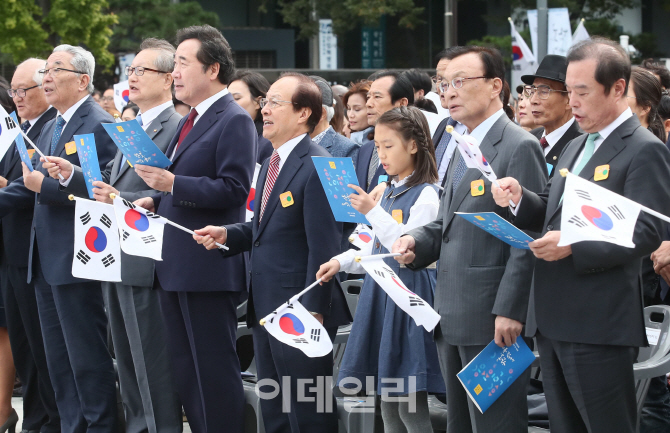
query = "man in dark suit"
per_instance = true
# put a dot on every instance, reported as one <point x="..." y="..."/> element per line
<point x="482" y="283"/>
<point x="70" y="309"/>
<point x="587" y="296"/>
<point x="292" y="233"/>
<point x="133" y="309"/>
<point x="213" y="157"/>
<point x="388" y="90"/>
<point x="550" y="108"/>
<point x="23" y="323"/>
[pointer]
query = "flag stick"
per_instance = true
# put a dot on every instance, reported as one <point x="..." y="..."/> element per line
<point x="564" y="172"/>
<point x="290" y="301"/>
<point x="38" y="151"/>
<point x="180" y="227"/>
<point x="375" y="256"/>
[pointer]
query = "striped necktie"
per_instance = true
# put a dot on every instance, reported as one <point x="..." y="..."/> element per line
<point x="273" y="172"/>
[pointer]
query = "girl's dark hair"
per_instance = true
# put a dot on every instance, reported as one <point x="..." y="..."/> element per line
<point x="337" y="122"/>
<point x="411" y="124"/>
<point x="6" y="102"/>
<point x="664" y="108"/>
<point x="648" y="94"/>
<point x="131" y="106"/>
<point x="505" y="95"/>
<point x="258" y="86"/>
<point x="426" y="105"/>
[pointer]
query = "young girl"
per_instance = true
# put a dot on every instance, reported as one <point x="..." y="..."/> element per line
<point x="385" y="342"/>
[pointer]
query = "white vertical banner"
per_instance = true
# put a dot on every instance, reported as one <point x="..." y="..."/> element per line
<point x="523" y="60"/>
<point x="559" y="35"/>
<point x="327" y="45"/>
<point x="532" y="24"/>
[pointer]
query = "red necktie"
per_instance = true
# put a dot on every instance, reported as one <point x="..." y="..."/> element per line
<point x="187" y="128"/>
<point x="544" y="143"/>
<point x="273" y="171"/>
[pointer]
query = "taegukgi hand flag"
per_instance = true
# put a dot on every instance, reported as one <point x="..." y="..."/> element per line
<point x="411" y="303"/>
<point x="141" y="231"/>
<point x="472" y="154"/>
<point x="9" y="129"/>
<point x="96" y="242"/>
<point x="593" y="213"/>
<point x="362" y="236"/>
<point x="251" y="200"/>
<point x="293" y="325"/>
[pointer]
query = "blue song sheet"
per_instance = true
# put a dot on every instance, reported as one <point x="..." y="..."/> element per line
<point x="21" y="146"/>
<point x="498" y="227"/>
<point x="136" y="145"/>
<point x="335" y="174"/>
<point x="88" y="158"/>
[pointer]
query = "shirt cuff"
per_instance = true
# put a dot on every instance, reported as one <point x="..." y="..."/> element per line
<point x="66" y="182"/>
<point x="515" y="209"/>
<point x="374" y="213"/>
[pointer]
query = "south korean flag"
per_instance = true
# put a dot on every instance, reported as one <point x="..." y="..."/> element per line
<point x="411" y="303"/>
<point x="96" y="242"/>
<point x="293" y="325"/>
<point x="141" y="231"/>
<point x="9" y="129"/>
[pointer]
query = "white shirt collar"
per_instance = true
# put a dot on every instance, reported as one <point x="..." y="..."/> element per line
<point x="202" y="107"/>
<point x="606" y="131"/>
<point x="321" y="134"/>
<point x="480" y="131"/>
<point x="70" y="111"/>
<point x="152" y="113"/>
<point x="285" y="149"/>
<point x="34" y="121"/>
<point x="553" y="137"/>
<point x="396" y="183"/>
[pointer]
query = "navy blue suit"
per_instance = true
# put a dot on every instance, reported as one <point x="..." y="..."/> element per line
<point x="287" y="248"/>
<point x="70" y="309"/>
<point x="213" y="168"/>
<point x="362" y="164"/>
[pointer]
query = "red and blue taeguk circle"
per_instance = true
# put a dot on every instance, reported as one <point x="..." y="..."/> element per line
<point x="126" y="95"/>
<point x="96" y="240"/>
<point x="251" y="199"/>
<point x="290" y="324"/>
<point x="136" y="220"/>
<point x="365" y="237"/>
<point x="598" y="218"/>
<point x="517" y="54"/>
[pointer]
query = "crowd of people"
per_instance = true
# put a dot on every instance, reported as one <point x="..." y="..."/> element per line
<point x="172" y="323"/>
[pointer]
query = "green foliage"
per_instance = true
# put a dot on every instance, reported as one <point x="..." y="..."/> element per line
<point x="21" y="33"/>
<point x="502" y="43"/>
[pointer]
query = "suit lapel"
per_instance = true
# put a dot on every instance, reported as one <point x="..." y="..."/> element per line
<point x="117" y="168"/>
<point x="76" y="121"/>
<point x="558" y="182"/>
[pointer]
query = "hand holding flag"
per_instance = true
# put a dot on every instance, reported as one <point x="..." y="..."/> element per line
<point x="141" y="231"/>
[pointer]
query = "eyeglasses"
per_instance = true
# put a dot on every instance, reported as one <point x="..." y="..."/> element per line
<point x="106" y="98"/>
<point x="55" y="71"/>
<point x="456" y="82"/>
<point x="542" y="91"/>
<point x="274" y="103"/>
<point x="139" y="70"/>
<point x="20" y="93"/>
<point x="436" y="79"/>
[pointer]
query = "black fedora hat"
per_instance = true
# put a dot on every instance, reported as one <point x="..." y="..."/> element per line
<point x="553" y="67"/>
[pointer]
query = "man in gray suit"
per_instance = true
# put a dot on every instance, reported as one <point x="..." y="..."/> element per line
<point x="149" y="396"/>
<point x="482" y="283"/>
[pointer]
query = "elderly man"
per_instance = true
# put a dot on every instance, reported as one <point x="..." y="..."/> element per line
<point x="23" y="323"/>
<point x="288" y="243"/>
<point x="70" y="309"/>
<point x="149" y="396"/>
<point x="550" y="108"/>
<point x="482" y="284"/>
<point x="588" y="295"/>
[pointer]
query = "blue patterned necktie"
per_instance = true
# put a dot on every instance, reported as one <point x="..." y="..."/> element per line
<point x="123" y="159"/>
<point x="60" y="122"/>
<point x="25" y="126"/>
<point x="444" y="143"/>
<point x="459" y="172"/>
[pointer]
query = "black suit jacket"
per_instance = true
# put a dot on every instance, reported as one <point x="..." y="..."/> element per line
<point x="573" y="132"/>
<point x="16" y="225"/>
<point x="594" y="296"/>
<point x="436" y="140"/>
<point x="362" y="164"/>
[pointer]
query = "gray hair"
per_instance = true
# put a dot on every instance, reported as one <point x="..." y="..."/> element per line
<point x="82" y="60"/>
<point x="37" y="78"/>
<point x="330" y="112"/>
<point x="165" y="60"/>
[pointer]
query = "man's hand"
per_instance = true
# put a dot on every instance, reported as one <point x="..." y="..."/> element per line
<point x="101" y="192"/>
<point x="318" y="317"/>
<point x="661" y="257"/>
<point x="210" y="235"/>
<point x="507" y="331"/>
<point x="3" y="182"/>
<point x="509" y="190"/>
<point x="328" y="271"/>
<point x="146" y="203"/>
<point x="56" y="166"/>
<point x="32" y="179"/>
<point x="157" y="178"/>
<point x="405" y="246"/>
<point x="361" y="201"/>
<point x="546" y="248"/>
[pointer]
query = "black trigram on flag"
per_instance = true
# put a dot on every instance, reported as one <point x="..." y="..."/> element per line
<point x="148" y="239"/>
<point x="10" y="123"/>
<point x="415" y="302"/>
<point x="125" y="235"/>
<point x="616" y="212"/>
<point x="316" y="335"/>
<point x="86" y="218"/>
<point x="108" y="260"/>
<point x="583" y="194"/>
<point x="83" y="257"/>
<point x="300" y="340"/>
<point x="577" y="221"/>
<point x="152" y="215"/>
<point x="127" y="203"/>
<point x="381" y="274"/>
<point x="106" y="221"/>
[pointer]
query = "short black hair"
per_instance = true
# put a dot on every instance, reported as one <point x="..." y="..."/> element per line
<point x="664" y="108"/>
<point x="401" y="88"/>
<point x="214" y="48"/>
<point x="613" y="63"/>
<point x="658" y="69"/>
<point x="446" y="53"/>
<point x="419" y="79"/>
<point x="494" y="65"/>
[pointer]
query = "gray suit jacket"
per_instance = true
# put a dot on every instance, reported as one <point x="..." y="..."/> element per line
<point x="480" y="277"/>
<point x="135" y="271"/>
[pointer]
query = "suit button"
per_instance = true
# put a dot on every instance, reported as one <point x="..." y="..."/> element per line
<point x="257" y="243"/>
<point x="550" y="227"/>
<point x="446" y="239"/>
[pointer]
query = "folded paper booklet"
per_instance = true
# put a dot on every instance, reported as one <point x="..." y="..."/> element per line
<point x="491" y="372"/>
<point x="88" y="159"/>
<point x="335" y="174"/>
<point x="136" y="145"/>
<point x="498" y="227"/>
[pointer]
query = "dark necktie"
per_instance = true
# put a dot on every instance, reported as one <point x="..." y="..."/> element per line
<point x="459" y="172"/>
<point x="544" y="143"/>
<point x="60" y="122"/>
<point x="443" y="144"/>
<point x="187" y="128"/>
<point x="374" y="164"/>
<point x="25" y="126"/>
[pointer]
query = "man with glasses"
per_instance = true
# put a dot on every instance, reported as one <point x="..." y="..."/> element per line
<point x="550" y="108"/>
<point x="482" y="283"/>
<point x="133" y="308"/>
<point x="70" y="309"/>
<point x="23" y="323"/>
<point x="107" y="102"/>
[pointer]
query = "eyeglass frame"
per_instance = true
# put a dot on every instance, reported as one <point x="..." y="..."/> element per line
<point x="442" y="83"/>
<point x="544" y="88"/>
<point x="134" y="70"/>
<point x="17" y="92"/>
<point x="274" y="103"/>
<point x="44" y="72"/>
